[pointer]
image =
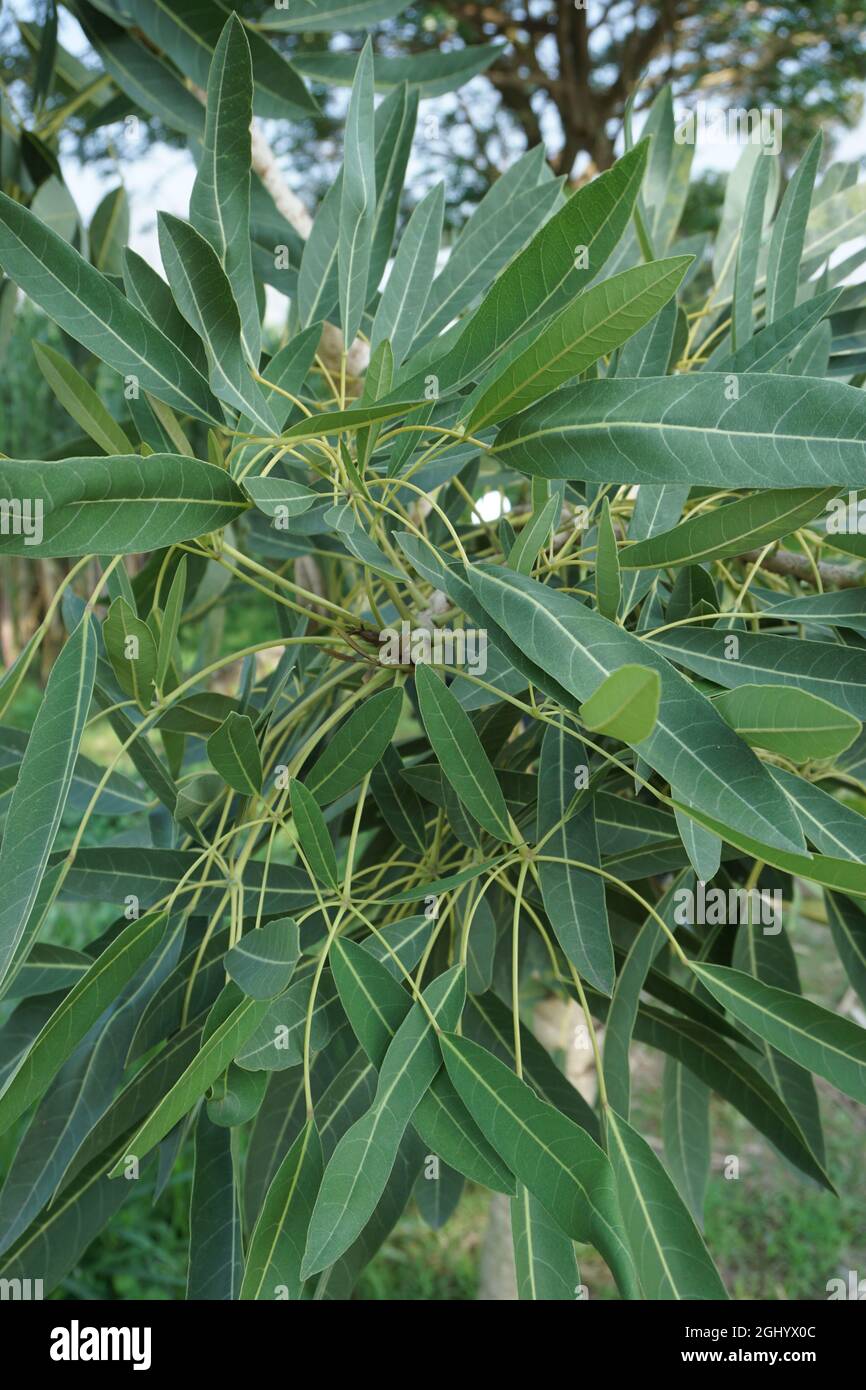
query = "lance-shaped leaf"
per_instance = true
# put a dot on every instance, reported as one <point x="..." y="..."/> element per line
<point x="223" y="1043"/>
<point x="79" y="1009"/>
<point x="42" y="787"/>
<point x="748" y="248"/>
<point x="770" y="957"/>
<point x="686" y="1134"/>
<point x="560" y="260"/>
<point x="84" y="404"/>
<point x="360" y="1166"/>
<point x="771" y="349"/>
<point x="432" y="73"/>
<point x="690" y="744"/>
<point x="625" y="705"/>
<point x="376" y="1005"/>
<point x="204" y="296"/>
<point x="837" y="608"/>
<point x="625" y="1001"/>
<point x="534" y="535"/>
<point x="671" y="1258"/>
<point x="358" y="198"/>
<point x="96" y="314"/>
<point x="779" y="431"/>
<point x="544" y="1258"/>
<point x="762" y="659"/>
<point x="789" y="232"/>
<point x="356" y="747"/>
<point x="820" y="1040"/>
<point x="608" y="584"/>
<point x="460" y="753"/>
<point x="792" y="723"/>
<point x="400" y="807"/>
<point x="189" y="35"/>
<point x="848" y="926"/>
<point x="328" y="15"/>
<point x="169" y="622"/>
<point x="573" y="895"/>
<point x="313" y="834"/>
<point x="747" y="524"/>
<point x="263" y="961"/>
<point x="131" y="649"/>
<point x="405" y="294"/>
<point x="215" y="1247"/>
<point x="556" y="1160"/>
<point x="841" y="874"/>
<point x="219" y="205"/>
<point x="116" y="506"/>
<point x="234" y="752"/>
<point x="596" y="323"/>
<point x="273" y="1267"/>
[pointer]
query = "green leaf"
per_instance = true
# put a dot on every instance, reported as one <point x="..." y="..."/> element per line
<point x="460" y="754"/>
<point x="95" y="313"/>
<point x="44" y="779"/>
<point x="223" y="1043"/>
<point x="83" y="403"/>
<point x="573" y="896"/>
<point x="549" y="1154"/>
<point x="625" y="1001"/>
<point x="596" y="323"/>
<point x="170" y="622"/>
<point x="400" y="807"/>
<point x="358" y="198"/>
<point x="748" y="248"/>
<point x="148" y="292"/>
<point x="263" y="961"/>
<point x="564" y="255"/>
<point x="686" y="1134"/>
<point x="204" y="296"/>
<point x="77" y="1012"/>
<point x="486" y="244"/>
<point x="234" y="752"/>
<point x="376" y="1005"/>
<point x="433" y="73"/>
<point x="219" y="205"/>
<point x="788" y="721"/>
<point x="314" y="837"/>
<point x="279" y="497"/>
<point x="771" y="958"/>
<point x="690" y="745"/>
<point x="544" y="1256"/>
<point x="789" y="231"/>
<point x="780" y="431"/>
<point x="408" y="285"/>
<point x="608" y="584"/>
<point x="277" y="1242"/>
<point x="625" y="705"/>
<point x="820" y="1040"/>
<point x="848" y="928"/>
<point x="131" y="649"/>
<point x="764" y="659"/>
<point x="120" y="505"/>
<point x="671" y="1258"/>
<point x="356" y="747"/>
<point x="747" y="524"/>
<point x="358" y="1170"/>
<point x="108" y="233"/>
<point x="215" y="1248"/>
<point x="534" y="535"/>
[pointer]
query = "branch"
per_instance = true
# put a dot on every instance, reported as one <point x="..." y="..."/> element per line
<point x="800" y="567"/>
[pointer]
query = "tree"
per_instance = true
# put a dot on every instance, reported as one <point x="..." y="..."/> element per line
<point x="445" y="763"/>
